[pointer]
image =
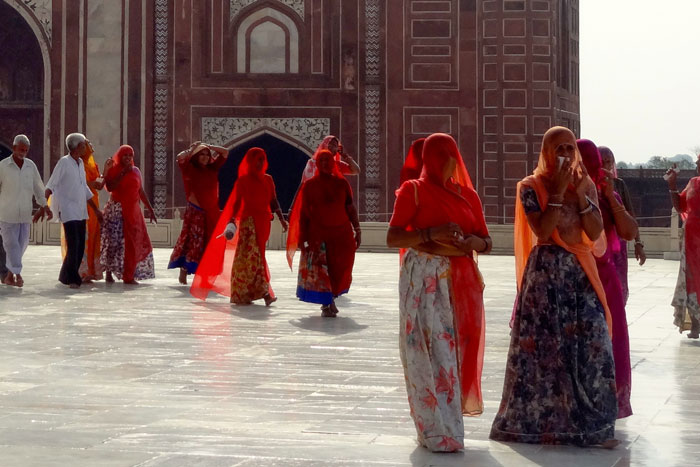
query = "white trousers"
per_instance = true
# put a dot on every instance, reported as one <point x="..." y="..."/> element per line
<point x="15" y="238"/>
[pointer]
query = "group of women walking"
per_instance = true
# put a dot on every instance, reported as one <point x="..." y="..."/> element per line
<point x="568" y="373"/>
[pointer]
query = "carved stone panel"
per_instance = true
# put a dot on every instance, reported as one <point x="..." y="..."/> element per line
<point x="224" y="130"/>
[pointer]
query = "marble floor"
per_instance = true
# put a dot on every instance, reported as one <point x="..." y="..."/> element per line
<point x="114" y="375"/>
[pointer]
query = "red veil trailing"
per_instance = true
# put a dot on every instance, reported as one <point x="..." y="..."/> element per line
<point x="251" y="197"/>
<point x="127" y="192"/>
<point x="430" y="202"/>
<point x="413" y="165"/>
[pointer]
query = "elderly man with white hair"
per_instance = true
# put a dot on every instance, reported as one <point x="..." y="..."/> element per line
<point x="19" y="182"/>
<point x="69" y="192"/>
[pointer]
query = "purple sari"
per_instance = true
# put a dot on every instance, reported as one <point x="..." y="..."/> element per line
<point x="609" y="276"/>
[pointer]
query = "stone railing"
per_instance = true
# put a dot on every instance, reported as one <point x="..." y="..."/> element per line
<point x="660" y="242"/>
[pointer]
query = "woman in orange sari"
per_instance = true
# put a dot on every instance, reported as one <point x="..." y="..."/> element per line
<point x="438" y="219"/>
<point x="324" y="223"/>
<point x="559" y="385"/>
<point x="126" y="249"/>
<point x="238" y="268"/>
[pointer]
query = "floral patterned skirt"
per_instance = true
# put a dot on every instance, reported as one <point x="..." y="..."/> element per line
<point x="189" y="247"/>
<point x="559" y="384"/>
<point x="684" y="304"/>
<point x="428" y="351"/>
<point x="249" y="270"/>
<point x="112" y="248"/>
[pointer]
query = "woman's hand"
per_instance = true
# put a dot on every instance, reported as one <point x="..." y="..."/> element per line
<point x="109" y="163"/>
<point x="562" y="178"/>
<point x="152" y="216"/>
<point x="358" y="238"/>
<point x="671" y="177"/>
<point x="446" y="233"/>
<point x="582" y="182"/>
<point x="470" y="243"/>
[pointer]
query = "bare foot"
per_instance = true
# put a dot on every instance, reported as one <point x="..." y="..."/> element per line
<point x="9" y="279"/>
<point x="108" y="278"/>
<point x="326" y="312"/>
<point x="334" y="309"/>
<point x="19" y="282"/>
<point x="183" y="276"/>
<point x="269" y="300"/>
<point x="74" y="286"/>
<point x="610" y="444"/>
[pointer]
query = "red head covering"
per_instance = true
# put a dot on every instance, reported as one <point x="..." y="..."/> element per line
<point x="413" y="165"/>
<point x="123" y="151"/>
<point x="254" y="163"/>
<point x="438" y="148"/>
<point x="591" y="160"/>
<point x="251" y="197"/>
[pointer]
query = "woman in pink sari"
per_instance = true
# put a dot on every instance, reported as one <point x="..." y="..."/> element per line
<point x="619" y="226"/>
<point x="685" y="299"/>
<point x="438" y="219"/>
<point x="126" y="250"/>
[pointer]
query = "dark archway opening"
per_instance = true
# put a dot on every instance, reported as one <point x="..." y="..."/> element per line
<point x="4" y="151"/>
<point x="21" y="84"/>
<point x="286" y="163"/>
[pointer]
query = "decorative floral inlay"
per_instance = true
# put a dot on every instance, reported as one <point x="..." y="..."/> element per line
<point x="223" y="130"/>
<point x="238" y="5"/>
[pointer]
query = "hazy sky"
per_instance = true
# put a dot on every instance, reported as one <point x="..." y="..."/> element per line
<point x="640" y="76"/>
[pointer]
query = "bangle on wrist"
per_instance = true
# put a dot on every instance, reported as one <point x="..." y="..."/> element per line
<point x="673" y="191"/>
<point x="618" y="209"/>
<point x="555" y="205"/>
<point x="639" y="242"/>
<point x="587" y="210"/>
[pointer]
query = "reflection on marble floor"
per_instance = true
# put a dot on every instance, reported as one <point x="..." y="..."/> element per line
<point x="116" y="375"/>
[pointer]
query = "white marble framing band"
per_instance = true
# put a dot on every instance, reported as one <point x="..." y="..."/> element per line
<point x="237" y="5"/>
<point x="42" y="9"/>
<point x="225" y="130"/>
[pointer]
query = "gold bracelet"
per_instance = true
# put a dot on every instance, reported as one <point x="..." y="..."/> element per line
<point x="618" y="209"/>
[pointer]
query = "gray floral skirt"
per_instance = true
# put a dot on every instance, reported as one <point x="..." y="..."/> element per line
<point x="559" y="385"/>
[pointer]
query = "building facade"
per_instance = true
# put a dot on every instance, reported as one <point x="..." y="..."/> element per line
<point x="281" y="74"/>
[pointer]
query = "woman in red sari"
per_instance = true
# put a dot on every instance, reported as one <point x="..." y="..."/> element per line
<point x="439" y="220"/>
<point x="413" y="165"/>
<point x="126" y="249"/>
<point x="324" y="223"/>
<point x="200" y="166"/>
<point x="685" y="299"/>
<point x="238" y="268"/>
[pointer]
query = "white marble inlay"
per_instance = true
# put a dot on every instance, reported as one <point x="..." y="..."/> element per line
<point x="224" y="130"/>
<point x="238" y="5"/>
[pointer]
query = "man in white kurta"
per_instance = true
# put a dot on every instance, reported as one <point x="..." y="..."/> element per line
<point x="69" y="192"/>
<point x="19" y="183"/>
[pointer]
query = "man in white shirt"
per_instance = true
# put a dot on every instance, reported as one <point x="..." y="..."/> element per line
<point x="19" y="182"/>
<point x="69" y="192"/>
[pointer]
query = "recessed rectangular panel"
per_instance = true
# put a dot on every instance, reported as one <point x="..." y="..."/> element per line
<point x="431" y="72"/>
<point x="431" y="50"/>
<point x="431" y="7"/>
<point x="431" y="28"/>
<point x="428" y="124"/>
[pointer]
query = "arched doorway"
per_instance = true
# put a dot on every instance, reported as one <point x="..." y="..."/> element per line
<point x="286" y="163"/>
<point x="21" y="83"/>
<point x="4" y="151"/>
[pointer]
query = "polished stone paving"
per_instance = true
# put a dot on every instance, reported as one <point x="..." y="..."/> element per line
<point x="115" y="375"/>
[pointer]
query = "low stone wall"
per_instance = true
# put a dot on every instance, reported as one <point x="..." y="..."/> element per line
<point x="660" y="242"/>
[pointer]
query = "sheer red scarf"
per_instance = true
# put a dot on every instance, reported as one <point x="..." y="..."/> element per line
<point x="252" y="194"/>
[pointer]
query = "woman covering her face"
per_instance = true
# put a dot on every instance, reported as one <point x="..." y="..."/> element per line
<point x="438" y="221"/>
<point x="126" y="248"/>
<point x="559" y="385"/>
